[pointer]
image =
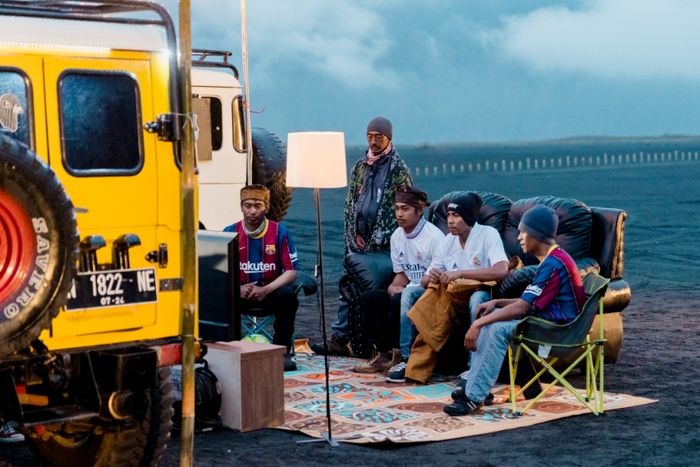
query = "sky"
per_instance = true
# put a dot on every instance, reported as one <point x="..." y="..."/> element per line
<point x="451" y="71"/>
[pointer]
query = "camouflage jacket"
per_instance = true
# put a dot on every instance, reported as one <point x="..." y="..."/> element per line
<point x="384" y="226"/>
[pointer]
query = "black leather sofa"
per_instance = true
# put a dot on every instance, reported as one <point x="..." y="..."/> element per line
<point x="593" y="236"/>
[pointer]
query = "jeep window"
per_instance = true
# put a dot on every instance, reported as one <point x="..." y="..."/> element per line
<point x="238" y="124"/>
<point x="14" y="108"/>
<point x="217" y="133"/>
<point x="100" y="123"/>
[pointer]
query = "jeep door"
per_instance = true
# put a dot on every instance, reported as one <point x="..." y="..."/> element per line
<point x="95" y="111"/>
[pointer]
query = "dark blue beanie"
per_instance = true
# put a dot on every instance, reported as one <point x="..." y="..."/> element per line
<point x="540" y="222"/>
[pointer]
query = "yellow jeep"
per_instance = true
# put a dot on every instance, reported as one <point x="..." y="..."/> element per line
<point x="90" y="228"/>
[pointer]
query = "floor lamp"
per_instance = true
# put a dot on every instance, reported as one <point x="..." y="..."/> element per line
<point x="317" y="160"/>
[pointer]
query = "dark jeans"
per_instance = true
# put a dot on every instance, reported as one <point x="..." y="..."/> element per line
<point x="381" y="314"/>
<point x="283" y="303"/>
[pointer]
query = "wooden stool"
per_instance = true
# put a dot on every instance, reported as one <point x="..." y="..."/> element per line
<point x="251" y="375"/>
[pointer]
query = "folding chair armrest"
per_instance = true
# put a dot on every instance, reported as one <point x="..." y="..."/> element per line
<point x="304" y="283"/>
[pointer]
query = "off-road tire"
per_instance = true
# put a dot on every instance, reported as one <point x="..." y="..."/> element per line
<point x="87" y="446"/>
<point x="270" y="169"/>
<point x="161" y="419"/>
<point x="38" y="246"/>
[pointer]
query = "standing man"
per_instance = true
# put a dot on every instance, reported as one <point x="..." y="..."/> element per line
<point x="369" y="212"/>
<point x="384" y="312"/>
<point x="470" y="251"/>
<point x="556" y="294"/>
<point x="268" y="263"/>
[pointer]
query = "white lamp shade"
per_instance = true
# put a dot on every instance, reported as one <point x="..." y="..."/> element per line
<point x="316" y="159"/>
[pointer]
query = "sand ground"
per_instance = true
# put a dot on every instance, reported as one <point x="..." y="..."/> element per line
<point x="658" y="358"/>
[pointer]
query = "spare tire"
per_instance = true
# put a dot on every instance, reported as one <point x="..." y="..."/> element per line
<point x="38" y="246"/>
<point x="270" y="169"/>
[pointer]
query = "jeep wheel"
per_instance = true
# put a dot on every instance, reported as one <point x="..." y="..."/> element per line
<point x="270" y="169"/>
<point x="82" y="443"/>
<point x="161" y="417"/>
<point x="38" y="246"/>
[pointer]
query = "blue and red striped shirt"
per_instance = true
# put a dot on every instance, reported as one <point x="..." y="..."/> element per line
<point x="265" y="257"/>
<point x="556" y="293"/>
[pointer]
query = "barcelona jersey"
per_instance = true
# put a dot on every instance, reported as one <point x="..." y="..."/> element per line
<point x="556" y="293"/>
<point x="265" y="257"/>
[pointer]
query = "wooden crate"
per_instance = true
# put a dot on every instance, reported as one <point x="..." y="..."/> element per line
<point x="252" y="383"/>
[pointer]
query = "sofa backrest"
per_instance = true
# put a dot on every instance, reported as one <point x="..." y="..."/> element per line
<point x="494" y="210"/>
<point x="573" y="234"/>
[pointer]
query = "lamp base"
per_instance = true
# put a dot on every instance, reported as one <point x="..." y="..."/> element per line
<point x="332" y="441"/>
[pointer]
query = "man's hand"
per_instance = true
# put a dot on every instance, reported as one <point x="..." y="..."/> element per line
<point x="394" y="289"/>
<point x="448" y="276"/>
<point x="471" y="337"/>
<point x="434" y="275"/>
<point x="246" y="289"/>
<point x="485" y="308"/>
<point x="257" y="294"/>
<point x="360" y="242"/>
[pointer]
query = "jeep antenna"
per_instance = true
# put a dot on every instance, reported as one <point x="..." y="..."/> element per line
<point x="246" y="93"/>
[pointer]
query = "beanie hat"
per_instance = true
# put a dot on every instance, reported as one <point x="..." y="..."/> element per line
<point x="467" y="205"/>
<point x="382" y="126"/>
<point x="258" y="192"/>
<point x="411" y="196"/>
<point x="540" y="222"/>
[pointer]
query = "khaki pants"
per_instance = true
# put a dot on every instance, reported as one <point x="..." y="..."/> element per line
<point x="433" y="315"/>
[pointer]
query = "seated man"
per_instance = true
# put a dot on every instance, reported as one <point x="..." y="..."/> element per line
<point x="556" y="294"/>
<point x="470" y="251"/>
<point x="384" y="312"/>
<point x="268" y="262"/>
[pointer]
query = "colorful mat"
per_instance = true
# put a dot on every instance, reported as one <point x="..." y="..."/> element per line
<point x="366" y="409"/>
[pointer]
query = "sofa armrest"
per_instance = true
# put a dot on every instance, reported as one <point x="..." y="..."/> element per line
<point x="608" y="241"/>
<point x="370" y="270"/>
<point x="304" y="283"/>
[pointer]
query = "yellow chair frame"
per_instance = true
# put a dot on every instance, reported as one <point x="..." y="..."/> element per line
<point x="546" y="343"/>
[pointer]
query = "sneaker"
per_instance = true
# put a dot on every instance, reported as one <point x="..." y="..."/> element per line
<point x="397" y="374"/>
<point x="379" y="362"/>
<point x="336" y="346"/>
<point x="9" y="433"/>
<point x="459" y="392"/>
<point x="462" y="406"/>
<point x="289" y="364"/>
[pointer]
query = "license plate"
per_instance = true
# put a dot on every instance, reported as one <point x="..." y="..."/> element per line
<point x="112" y="288"/>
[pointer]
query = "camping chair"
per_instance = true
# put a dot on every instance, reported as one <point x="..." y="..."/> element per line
<point x="547" y="343"/>
<point x="259" y="321"/>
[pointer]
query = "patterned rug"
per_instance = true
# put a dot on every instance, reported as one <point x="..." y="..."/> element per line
<point x="366" y="409"/>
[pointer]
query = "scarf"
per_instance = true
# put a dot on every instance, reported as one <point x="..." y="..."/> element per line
<point x="372" y="158"/>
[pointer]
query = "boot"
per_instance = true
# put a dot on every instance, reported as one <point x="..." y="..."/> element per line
<point x="336" y="346"/>
<point x="379" y="362"/>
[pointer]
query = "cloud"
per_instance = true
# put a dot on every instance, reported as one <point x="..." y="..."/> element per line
<point x="613" y="38"/>
<point x="345" y="40"/>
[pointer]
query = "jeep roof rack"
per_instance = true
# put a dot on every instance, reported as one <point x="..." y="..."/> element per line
<point x="107" y="10"/>
<point x="199" y="57"/>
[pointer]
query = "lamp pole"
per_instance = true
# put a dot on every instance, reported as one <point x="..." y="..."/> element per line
<point x="317" y="200"/>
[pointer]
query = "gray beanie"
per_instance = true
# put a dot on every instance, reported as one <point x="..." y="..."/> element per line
<point x="382" y="126"/>
<point x="540" y="222"/>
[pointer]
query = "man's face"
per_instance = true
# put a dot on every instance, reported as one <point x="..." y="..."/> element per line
<point x="253" y="211"/>
<point x="455" y="223"/>
<point x="407" y="216"/>
<point x="377" y="142"/>
<point x="527" y="243"/>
